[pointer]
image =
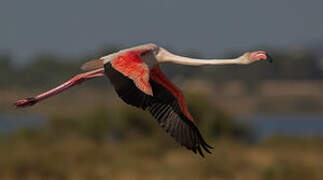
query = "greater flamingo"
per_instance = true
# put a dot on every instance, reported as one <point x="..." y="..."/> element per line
<point x="138" y="80"/>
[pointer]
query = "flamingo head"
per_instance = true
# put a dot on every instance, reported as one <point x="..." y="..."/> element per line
<point x="250" y="57"/>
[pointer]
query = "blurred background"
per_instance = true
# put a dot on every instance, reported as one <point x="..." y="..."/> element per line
<point x="265" y="120"/>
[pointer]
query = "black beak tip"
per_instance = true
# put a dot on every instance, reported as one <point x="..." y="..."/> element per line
<point x="269" y="58"/>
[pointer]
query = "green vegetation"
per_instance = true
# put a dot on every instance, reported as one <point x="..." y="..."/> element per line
<point x="42" y="155"/>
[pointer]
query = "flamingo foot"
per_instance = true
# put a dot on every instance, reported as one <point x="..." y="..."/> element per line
<point x="25" y="102"/>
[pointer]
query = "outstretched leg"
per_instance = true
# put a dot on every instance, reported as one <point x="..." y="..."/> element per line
<point x="78" y="79"/>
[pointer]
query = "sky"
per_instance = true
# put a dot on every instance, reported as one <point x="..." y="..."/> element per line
<point x="73" y="27"/>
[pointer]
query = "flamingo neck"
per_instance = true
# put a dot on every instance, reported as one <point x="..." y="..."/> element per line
<point x="165" y="56"/>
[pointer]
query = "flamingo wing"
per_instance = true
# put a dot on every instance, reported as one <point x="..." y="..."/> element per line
<point x="152" y="91"/>
<point x="170" y="110"/>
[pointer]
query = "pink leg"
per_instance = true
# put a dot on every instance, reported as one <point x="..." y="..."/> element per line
<point x="78" y="79"/>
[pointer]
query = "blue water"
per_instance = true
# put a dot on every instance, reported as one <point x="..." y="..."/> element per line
<point x="12" y="123"/>
<point x="263" y="126"/>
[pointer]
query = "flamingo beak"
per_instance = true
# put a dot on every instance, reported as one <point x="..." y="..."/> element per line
<point x="269" y="58"/>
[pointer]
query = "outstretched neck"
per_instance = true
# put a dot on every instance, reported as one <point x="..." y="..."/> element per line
<point x="165" y="56"/>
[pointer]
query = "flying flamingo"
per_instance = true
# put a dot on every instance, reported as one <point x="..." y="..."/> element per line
<point x="138" y="80"/>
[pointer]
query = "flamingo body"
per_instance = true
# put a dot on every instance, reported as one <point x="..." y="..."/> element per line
<point x="152" y="91"/>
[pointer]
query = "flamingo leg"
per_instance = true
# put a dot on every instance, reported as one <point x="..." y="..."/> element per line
<point x="76" y="80"/>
